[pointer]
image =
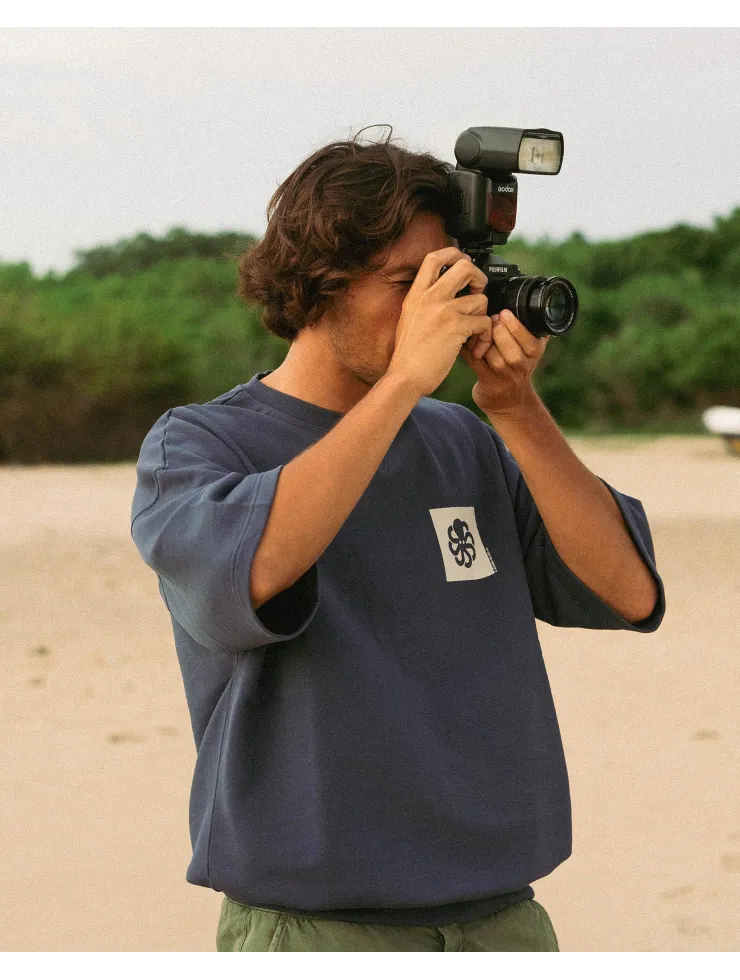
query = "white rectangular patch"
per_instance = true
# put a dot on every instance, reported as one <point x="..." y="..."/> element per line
<point x="463" y="553"/>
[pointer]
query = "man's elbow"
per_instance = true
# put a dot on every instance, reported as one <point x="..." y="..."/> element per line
<point x="646" y="607"/>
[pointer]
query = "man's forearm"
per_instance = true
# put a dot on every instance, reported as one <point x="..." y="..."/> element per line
<point x="318" y="489"/>
<point x="581" y="516"/>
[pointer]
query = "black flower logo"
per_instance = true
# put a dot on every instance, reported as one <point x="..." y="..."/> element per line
<point x="461" y="543"/>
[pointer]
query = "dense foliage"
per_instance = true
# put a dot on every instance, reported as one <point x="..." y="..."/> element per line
<point x="90" y="358"/>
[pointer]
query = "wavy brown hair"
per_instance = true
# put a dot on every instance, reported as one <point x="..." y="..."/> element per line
<point x="329" y="224"/>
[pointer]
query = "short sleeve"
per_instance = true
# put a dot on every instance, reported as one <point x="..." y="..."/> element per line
<point x="559" y="597"/>
<point x="198" y="514"/>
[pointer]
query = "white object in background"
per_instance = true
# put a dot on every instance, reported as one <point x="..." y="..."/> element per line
<point x="724" y="421"/>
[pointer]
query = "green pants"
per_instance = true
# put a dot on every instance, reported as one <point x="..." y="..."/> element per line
<point x="523" y="927"/>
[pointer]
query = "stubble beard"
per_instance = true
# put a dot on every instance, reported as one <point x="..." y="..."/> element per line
<point x="349" y="355"/>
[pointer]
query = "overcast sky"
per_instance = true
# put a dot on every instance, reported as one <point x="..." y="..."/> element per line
<point x="107" y="132"/>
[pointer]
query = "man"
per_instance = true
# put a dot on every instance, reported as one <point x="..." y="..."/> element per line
<point x="353" y="571"/>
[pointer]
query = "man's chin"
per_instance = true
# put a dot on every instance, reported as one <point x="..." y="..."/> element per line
<point x="369" y="380"/>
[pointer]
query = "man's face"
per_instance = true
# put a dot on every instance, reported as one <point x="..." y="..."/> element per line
<point x="362" y="330"/>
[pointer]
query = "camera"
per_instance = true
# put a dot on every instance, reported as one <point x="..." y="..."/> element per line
<point x="481" y="213"/>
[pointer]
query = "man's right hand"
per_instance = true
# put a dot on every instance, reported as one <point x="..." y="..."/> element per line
<point x="435" y="322"/>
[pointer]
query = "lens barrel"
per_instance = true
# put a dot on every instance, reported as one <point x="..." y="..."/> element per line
<point x="544" y="305"/>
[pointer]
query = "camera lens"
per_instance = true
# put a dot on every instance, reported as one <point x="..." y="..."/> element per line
<point x="544" y="306"/>
<point x="556" y="305"/>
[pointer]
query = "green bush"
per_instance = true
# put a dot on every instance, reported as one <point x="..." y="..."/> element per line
<point x="91" y="358"/>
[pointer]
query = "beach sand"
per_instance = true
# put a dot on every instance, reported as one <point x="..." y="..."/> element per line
<point x="97" y="753"/>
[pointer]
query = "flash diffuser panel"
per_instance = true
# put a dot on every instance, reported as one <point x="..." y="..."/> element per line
<point x="539" y="154"/>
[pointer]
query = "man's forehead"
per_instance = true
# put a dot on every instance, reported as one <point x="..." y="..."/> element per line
<point x="410" y="263"/>
<point x="404" y="266"/>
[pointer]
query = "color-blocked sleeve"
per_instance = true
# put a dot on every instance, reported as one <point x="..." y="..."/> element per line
<point x="198" y="514"/>
<point x="559" y="597"/>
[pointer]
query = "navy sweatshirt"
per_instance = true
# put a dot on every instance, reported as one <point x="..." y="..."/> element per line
<point x="378" y="742"/>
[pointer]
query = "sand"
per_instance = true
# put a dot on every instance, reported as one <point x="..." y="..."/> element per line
<point x="97" y="753"/>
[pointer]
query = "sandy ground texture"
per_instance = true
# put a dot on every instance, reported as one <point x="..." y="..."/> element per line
<point x="97" y="753"/>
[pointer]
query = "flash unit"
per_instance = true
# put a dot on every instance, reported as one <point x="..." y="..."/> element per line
<point x="500" y="149"/>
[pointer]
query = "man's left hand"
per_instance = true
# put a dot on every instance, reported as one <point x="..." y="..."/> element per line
<point x="504" y="365"/>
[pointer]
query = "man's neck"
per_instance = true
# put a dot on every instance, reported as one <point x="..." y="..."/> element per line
<point x="308" y="386"/>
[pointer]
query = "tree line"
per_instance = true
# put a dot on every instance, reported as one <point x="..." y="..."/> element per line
<point x="90" y="358"/>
